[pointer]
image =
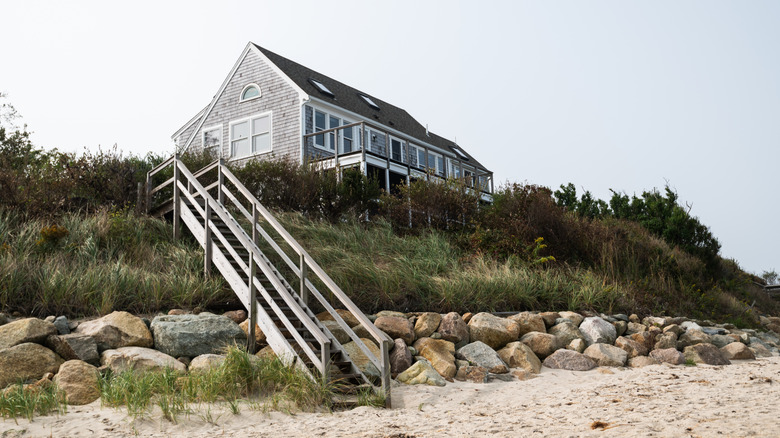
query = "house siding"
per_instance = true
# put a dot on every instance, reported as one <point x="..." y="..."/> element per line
<point x="277" y="96"/>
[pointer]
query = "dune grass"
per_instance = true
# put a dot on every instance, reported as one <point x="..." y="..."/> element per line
<point x="28" y="401"/>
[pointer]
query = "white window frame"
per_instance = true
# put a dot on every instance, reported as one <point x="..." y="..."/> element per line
<point x="328" y="137"/>
<point x="250" y="119"/>
<point x="402" y="143"/>
<point x="241" y="94"/>
<point x="203" y="138"/>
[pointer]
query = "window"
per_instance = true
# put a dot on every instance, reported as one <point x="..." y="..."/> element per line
<point x="320" y="124"/>
<point x="251" y="91"/>
<point x="212" y="140"/>
<point x="396" y="150"/>
<point x="321" y="87"/>
<point x="460" y="153"/>
<point x="250" y="136"/>
<point x="344" y="137"/>
<point x="369" y="102"/>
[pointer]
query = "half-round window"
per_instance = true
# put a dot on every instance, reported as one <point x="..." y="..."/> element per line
<point x="251" y="91"/>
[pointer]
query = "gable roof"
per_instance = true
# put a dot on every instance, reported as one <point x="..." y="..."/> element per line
<point x="349" y="98"/>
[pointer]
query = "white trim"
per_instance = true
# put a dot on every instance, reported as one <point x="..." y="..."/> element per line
<point x="250" y="119"/>
<point x="251" y="85"/>
<point x="203" y="131"/>
<point x="189" y="123"/>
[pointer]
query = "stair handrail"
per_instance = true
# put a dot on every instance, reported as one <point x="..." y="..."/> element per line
<point x="313" y="265"/>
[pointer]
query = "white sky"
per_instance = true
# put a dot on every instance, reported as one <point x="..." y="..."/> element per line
<point x="604" y="94"/>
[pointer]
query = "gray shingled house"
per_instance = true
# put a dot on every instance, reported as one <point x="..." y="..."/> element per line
<point x="269" y="106"/>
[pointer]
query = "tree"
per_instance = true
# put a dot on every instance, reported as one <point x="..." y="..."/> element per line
<point x="770" y="277"/>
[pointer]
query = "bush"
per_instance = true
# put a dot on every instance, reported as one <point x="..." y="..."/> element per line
<point x="448" y="205"/>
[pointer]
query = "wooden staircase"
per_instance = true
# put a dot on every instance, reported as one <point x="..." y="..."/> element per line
<point x="206" y="201"/>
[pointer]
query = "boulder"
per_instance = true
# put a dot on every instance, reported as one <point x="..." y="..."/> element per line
<point x="205" y="362"/>
<point x="705" y="353"/>
<point x="565" y="332"/>
<point x="392" y="313"/>
<point x="606" y="355"/>
<point x="75" y="347"/>
<point x="493" y="330"/>
<point x="117" y="329"/>
<point x="25" y="362"/>
<point x="346" y="315"/>
<point x="3" y="319"/>
<point x="569" y="360"/>
<point x="712" y="331"/>
<point x="654" y="321"/>
<point x="721" y="341"/>
<point x="633" y="327"/>
<point x="529" y="322"/>
<point x="440" y="354"/>
<point x="362" y="332"/>
<point x="633" y="318"/>
<point x="453" y="329"/>
<point x="668" y="355"/>
<point x="674" y="328"/>
<point x="646" y="338"/>
<point x="737" y="351"/>
<point x="178" y="312"/>
<point x="426" y="324"/>
<point x="519" y="355"/>
<point x="140" y="359"/>
<point x="473" y="374"/>
<point x="690" y="325"/>
<point x="237" y="316"/>
<point x="630" y="346"/>
<point x="396" y="327"/>
<point x="542" y="344"/>
<point x="244" y="326"/>
<point x="193" y="335"/>
<point x="79" y="381"/>
<point x="61" y="323"/>
<point x="361" y="360"/>
<point x="549" y="318"/>
<point x="577" y="345"/>
<point x="421" y="373"/>
<point x="400" y="357"/>
<point x="267" y="353"/>
<point x="692" y="337"/>
<point x="480" y="354"/>
<point x="335" y="329"/>
<point x="597" y="331"/>
<point x="467" y="317"/>
<point x="665" y="340"/>
<point x="620" y="327"/>
<point x="574" y="317"/>
<point x="641" y="361"/>
<point x="25" y="330"/>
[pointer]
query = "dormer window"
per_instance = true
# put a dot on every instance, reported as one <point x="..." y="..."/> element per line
<point x="251" y="91"/>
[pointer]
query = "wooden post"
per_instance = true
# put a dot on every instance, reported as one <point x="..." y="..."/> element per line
<point x="139" y="198"/>
<point x="176" y="199"/>
<point x="385" y="360"/>
<point x="148" y="203"/>
<point x="250" y="342"/>
<point x="387" y="154"/>
<point x="304" y="274"/>
<point x="364" y="141"/>
<point x="325" y="358"/>
<point x="207" y="242"/>
<point x="336" y="149"/>
<point x="221" y="182"/>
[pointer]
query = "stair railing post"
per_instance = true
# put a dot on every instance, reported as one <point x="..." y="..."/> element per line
<point x="148" y="200"/>
<point x="252" y="289"/>
<point x="304" y="274"/>
<point x="221" y="182"/>
<point x="207" y="242"/>
<point x="385" y="359"/>
<point x="176" y="199"/>
<point x="325" y="357"/>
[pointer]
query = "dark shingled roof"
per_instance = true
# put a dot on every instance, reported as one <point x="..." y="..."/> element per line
<point x="349" y="98"/>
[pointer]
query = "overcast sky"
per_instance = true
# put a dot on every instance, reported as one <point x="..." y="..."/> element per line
<point x="605" y="94"/>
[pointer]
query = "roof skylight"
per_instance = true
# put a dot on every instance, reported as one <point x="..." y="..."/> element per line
<point x="459" y="152"/>
<point x="370" y="102"/>
<point x="321" y="87"/>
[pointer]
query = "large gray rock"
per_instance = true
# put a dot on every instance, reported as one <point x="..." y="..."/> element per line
<point x="542" y="344"/>
<point x="26" y="361"/>
<point x="25" y="330"/>
<point x="597" y="331"/>
<point x="665" y="340"/>
<point x="117" y="329"/>
<point x="453" y="329"/>
<point x="396" y="327"/>
<point x="519" y="355"/>
<point x="569" y="360"/>
<point x="193" y="335"/>
<point x="692" y="337"/>
<point x="79" y="381"/>
<point x="426" y="324"/>
<point x="140" y="359"/>
<point x="400" y="357"/>
<point x="480" y="354"/>
<point x="721" y="341"/>
<point x="737" y="351"/>
<point x="421" y="373"/>
<point x="706" y="354"/>
<point x="75" y="347"/>
<point x="565" y="332"/>
<point x="606" y="355"/>
<point x="493" y="330"/>
<point x="668" y="355"/>
<point x="61" y="323"/>
<point x="529" y="322"/>
<point x="634" y="327"/>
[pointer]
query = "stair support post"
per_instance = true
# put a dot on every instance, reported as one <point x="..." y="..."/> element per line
<point x="176" y="199"/>
<point x="325" y="357"/>
<point x="221" y="182"/>
<point x="304" y="275"/>
<point x="252" y="289"/>
<point x="385" y="351"/>
<point x="207" y="244"/>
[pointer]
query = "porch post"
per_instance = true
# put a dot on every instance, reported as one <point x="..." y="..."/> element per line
<point x="176" y="199"/>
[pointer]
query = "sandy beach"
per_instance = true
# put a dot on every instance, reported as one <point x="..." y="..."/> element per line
<point x="656" y="401"/>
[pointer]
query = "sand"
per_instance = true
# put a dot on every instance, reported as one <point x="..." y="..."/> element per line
<point x="656" y="401"/>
